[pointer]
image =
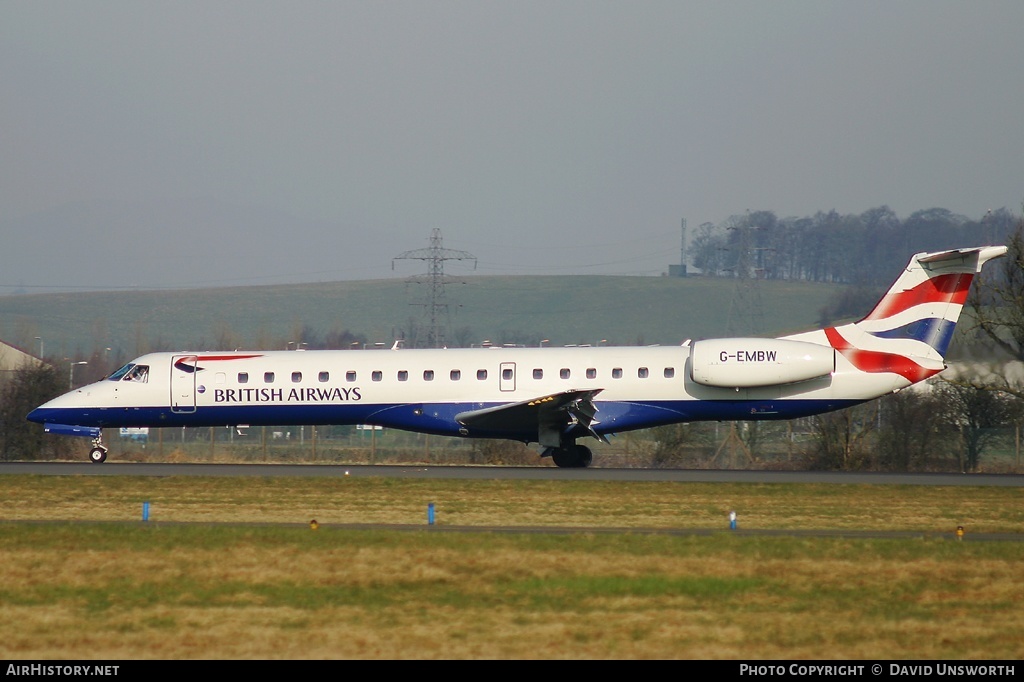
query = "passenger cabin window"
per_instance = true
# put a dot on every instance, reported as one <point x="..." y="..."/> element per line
<point x="296" y="377"/>
<point x="456" y="375"/>
<point x="538" y="374"/>
<point x="428" y="375"/>
<point x="324" y="377"/>
<point x="617" y="373"/>
<point x="268" y="377"/>
<point x="642" y="372"/>
<point x="563" y="373"/>
<point x="350" y="376"/>
<point x="591" y="373"/>
<point x="481" y="374"/>
<point x="403" y="375"/>
<point x="243" y="377"/>
<point x="670" y="372"/>
<point x="376" y="375"/>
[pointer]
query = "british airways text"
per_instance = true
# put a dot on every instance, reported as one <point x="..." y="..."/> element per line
<point x="279" y="395"/>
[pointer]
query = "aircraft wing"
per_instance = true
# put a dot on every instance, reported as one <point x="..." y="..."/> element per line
<point x="548" y="416"/>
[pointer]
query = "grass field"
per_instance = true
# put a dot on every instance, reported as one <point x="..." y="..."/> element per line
<point x="564" y="310"/>
<point x="232" y="569"/>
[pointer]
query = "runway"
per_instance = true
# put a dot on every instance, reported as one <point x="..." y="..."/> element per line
<point x="508" y="473"/>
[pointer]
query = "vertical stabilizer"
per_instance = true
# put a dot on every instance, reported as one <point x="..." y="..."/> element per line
<point x="909" y="329"/>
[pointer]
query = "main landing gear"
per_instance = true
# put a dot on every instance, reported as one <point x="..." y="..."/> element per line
<point x="573" y="456"/>
<point x="98" y="453"/>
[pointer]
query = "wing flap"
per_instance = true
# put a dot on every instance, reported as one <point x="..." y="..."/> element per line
<point x="548" y="416"/>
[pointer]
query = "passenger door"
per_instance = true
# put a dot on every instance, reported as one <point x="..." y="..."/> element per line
<point x="507" y="376"/>
<point x="183" y="383"/>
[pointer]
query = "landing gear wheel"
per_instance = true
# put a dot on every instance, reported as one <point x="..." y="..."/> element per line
<point x="583" y="456"/>
<point x="561" y="457"/>
<point x="98" y="455"/>
<point x="572" y="457"/>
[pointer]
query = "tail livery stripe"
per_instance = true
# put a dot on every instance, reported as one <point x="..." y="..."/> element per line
<point x="933" y="331"/>
<point x="950" y="288"/>
<point x="876" y="361"/>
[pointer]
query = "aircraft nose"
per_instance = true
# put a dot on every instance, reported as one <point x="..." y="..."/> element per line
<point x="44" y="412"/>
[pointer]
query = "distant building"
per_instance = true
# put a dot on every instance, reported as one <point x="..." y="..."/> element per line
<point x="676" y="270"/>
<point x="12" y="359"/>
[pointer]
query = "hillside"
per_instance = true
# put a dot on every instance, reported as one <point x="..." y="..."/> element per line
<point x="564" y="310"/>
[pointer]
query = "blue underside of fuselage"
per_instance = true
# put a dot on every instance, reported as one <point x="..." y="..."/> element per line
<point x="439" y="419"/>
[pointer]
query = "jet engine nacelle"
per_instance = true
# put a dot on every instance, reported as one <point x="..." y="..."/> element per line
<point x="752" y="362"/>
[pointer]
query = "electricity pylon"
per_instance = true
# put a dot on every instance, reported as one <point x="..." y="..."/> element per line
<point x="746" y="313"/>
<point x="436" y="307"/>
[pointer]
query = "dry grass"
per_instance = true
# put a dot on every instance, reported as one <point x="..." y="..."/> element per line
<point x="121" y="591"/>
<point x="513" y="503"/>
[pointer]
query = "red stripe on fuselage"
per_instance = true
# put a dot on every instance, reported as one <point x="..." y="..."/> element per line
<point x="943" y="289"/>
<point x="875" y="361"/>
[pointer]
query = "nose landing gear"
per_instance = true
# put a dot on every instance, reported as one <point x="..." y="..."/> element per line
<point x="98" y="453"/>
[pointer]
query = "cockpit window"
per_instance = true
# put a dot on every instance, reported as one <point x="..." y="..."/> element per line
<point x="116" y="376"/>
<point x="138" y="374"/>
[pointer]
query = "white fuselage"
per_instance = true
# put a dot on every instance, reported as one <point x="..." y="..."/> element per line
<point x="424" y="390"/>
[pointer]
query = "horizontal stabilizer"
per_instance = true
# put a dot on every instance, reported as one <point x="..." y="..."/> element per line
<point x="985" y="253"/>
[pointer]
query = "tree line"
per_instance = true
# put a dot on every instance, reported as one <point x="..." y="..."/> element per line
<point x="862" y="250"/>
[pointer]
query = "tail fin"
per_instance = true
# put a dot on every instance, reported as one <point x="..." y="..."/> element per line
<point x="909" y="330"/>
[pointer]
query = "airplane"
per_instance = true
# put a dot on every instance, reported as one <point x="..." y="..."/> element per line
<point x="550" y="396"/>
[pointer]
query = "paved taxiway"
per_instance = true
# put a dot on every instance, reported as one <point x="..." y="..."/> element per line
<point x="542" y="473"/>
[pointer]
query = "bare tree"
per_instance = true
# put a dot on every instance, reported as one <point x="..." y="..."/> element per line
<point x="669" y="446"/>
<point x="707" y="249"/>
<point x="841" y="439"/>
<point x="978" y="412"/>
<point x="996" y="304"/>
<point x="914" y="432"/>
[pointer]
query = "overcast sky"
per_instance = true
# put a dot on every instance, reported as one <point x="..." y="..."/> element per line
<point x="547" y="137"/>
